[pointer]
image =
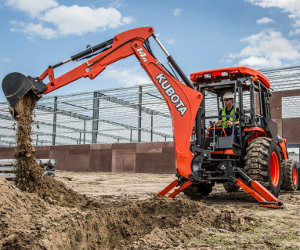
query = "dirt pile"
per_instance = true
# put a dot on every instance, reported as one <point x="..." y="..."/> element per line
<point x="29" y="222"/>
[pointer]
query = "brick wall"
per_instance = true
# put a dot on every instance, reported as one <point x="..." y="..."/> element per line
<point x="288" y="128"/>
<point x="156" y="157"/>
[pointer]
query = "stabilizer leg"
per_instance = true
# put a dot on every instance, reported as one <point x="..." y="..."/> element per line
<point x="168" y="188"/>
<point x="178" y="190"/>
<point x="259" y="193"/>
<point x="172" y="185"/>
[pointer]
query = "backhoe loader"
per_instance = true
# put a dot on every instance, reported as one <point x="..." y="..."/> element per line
<point x="254" y="159"/>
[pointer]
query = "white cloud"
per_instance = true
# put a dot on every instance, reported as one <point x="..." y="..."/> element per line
<point x="77" y="20"/>
<point x="127" y="20"/>
<point x="52" y="20"/>
<point x="264" y="20"/>
<point x="259" y="62"/>
<point x="177" y="11"/>
<point x="217" y="34"/>
<point x="266" y="49"/>
<point x="171" y="41"/>
<point x="127" y="76"/>
<point x="32" y="7"/>
<point x="33" y="29"/>
<point x="292" y="6"/>
<point x="294" y="32"/>
<point x="289" y="6"/>
<point x="5" y="60"/>
<point x="116" y="3"/>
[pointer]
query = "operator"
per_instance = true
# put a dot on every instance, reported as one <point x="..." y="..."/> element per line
<point x="227" y="122"/>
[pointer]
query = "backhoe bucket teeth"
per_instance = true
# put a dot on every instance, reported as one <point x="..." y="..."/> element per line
<point x="16" y="85"/>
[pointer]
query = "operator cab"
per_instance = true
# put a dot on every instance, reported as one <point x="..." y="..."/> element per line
<point x="250" y="91"/>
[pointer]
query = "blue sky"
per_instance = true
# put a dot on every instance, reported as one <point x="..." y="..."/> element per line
<point x="200" y="35"/>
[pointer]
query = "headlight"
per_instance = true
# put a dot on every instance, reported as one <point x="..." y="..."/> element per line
<point x="207" y="76"/>
<point x="224" y="73"/>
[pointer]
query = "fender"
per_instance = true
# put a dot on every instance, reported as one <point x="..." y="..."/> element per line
<point x="282" y="145"/>
<point x="256" y="132"/>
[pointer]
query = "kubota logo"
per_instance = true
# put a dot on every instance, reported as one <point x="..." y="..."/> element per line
<point x="170" y="92"/>
<point x="142" y="54"/>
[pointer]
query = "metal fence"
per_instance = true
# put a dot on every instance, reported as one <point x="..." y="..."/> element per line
<point x="134" y="114"/>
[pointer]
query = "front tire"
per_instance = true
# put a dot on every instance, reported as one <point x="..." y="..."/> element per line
<point x="263" y="163"/>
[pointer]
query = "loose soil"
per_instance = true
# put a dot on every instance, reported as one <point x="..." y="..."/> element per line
<point x="122" y="211"/>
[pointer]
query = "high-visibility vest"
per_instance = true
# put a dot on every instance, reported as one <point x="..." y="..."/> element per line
<point x="224" y="125"/>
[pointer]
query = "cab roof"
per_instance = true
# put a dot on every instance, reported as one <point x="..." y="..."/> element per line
<point x="225" y="73"/>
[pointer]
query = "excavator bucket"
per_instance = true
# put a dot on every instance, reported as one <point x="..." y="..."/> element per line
<point x="16" y="85"/>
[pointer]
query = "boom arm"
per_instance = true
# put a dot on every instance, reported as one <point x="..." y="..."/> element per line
<point x="183" y="101"/>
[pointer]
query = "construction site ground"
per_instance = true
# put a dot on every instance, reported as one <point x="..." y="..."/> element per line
<point x="122" y="211"/>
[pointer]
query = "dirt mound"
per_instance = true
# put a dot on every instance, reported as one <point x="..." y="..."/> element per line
<point x="55" y="192"/>
<point x="28" y="221"/>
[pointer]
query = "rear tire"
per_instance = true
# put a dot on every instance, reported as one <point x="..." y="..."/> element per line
<point x="289" y="175"/>
<point x="198" y="191"/>
<point x="230" y="187"/>
<point x="263" y="163"/>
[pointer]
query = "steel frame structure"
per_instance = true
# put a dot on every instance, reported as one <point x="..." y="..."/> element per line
<point x="132" y="114"/>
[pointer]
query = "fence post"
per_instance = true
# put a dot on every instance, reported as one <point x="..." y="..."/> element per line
<point x="84" y="129"/>
<point x="95" y="117"/>
<point x="54" y="121"/>
<point x="151" y="126"/>
<point x="140" y="114"/>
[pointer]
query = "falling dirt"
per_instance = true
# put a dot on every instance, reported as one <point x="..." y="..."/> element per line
<point x="29" y="173"/>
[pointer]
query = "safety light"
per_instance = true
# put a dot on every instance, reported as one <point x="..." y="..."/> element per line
<point x="207" y="76"/>
<point x="224" y="73"/>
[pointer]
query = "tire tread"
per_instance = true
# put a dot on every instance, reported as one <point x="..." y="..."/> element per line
<point x="287" y="174"/>
<point x="257" y="161"/>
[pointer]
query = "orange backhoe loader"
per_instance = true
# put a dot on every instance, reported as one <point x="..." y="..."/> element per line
<point x="254" y="160"/>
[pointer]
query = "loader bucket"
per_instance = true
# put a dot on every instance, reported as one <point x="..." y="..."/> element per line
<point x="16" y="85"/>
